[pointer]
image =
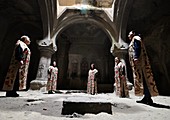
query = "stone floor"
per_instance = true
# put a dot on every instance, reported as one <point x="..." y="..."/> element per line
<point x="40" y="105"/>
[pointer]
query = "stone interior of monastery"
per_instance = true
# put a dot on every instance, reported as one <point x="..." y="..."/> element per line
<point x="76" y="33"/>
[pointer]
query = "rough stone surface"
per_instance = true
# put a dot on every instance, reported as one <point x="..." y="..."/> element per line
<point x="37" y="84"/>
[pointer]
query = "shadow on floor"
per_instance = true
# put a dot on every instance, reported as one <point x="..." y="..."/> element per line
<point x="160" y="105"/>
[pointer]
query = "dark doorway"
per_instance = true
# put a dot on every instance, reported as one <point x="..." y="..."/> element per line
<point x="78" y="46"/>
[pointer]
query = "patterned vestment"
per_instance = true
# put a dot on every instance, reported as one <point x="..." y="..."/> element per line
<point x="52" y="78"/>
<point x="92" y="82"/>
<point x="141" y="71"/>
<point x="15" y="67"/>
<point x="120" y="81"/>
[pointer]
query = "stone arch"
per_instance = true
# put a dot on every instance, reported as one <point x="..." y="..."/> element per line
<point x="105" y="28"/>
<point x="110" y="31"/>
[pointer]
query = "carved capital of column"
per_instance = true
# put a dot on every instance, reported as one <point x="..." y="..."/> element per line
<point x="121" y="53"/>
<point x="46" y="51"/>
<point x="119" y="50"/>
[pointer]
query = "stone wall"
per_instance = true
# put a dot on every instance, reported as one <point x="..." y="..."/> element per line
<point x="157" y="43"/>
<point x="152" y="20"/>
<point x="69" y="2"/>
<point x="97" y="3"/>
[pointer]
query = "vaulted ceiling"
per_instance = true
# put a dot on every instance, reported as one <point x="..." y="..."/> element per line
<point x="127" y="14"/>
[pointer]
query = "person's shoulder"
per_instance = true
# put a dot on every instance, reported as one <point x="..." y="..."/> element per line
<point x="96" y="70"/>
<point x="137" y="38"/>
<point x="50" y="67"/>
<point x="121" y="64"/>
<point x="18" y="42"/>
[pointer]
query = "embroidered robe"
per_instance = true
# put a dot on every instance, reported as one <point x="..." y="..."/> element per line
<point x="92" y="81"/>
<point x="15" y="67"/>
<point x="142" y="71"/>
<point x="120" y="80"/>
<point x="52" y="78"/>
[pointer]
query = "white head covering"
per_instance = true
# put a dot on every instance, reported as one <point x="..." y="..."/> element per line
<point x="25" y="37"/>
<point x="130" y="33"/>
<point x="116" y="58"/>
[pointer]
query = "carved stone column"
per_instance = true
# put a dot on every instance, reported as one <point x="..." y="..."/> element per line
<point x="45" y="59"/>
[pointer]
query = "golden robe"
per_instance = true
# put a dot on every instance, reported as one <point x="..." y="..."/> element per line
<point x="92" y="82"/>
<point x="121" y="87"/>
<point x="15" y="67"/>
<point x="142" y="71"/>
<point x="52" y="78"/>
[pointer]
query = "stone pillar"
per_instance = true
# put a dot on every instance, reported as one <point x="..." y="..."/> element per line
<point x="122" y="53"/>
<point x="45" y="59"/>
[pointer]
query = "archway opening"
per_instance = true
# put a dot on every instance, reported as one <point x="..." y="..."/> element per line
<point x="79" y="45"/>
